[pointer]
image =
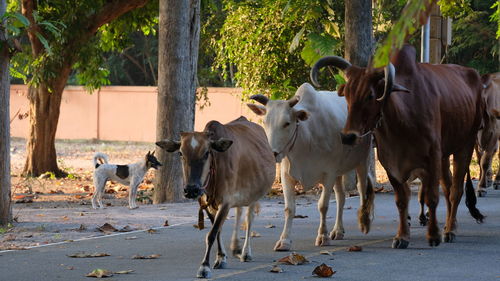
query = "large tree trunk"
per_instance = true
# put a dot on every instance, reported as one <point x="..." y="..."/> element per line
<point x="5" y="207"/>
<point x="359" y="43"/>
<point x="178" y="55"/>
<point x="44" y="117"/>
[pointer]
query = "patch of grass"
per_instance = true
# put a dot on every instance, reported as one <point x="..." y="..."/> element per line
<point x="5" y="229"/>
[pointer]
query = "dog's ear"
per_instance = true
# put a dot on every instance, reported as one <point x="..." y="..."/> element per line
<point x="169" y="145"/>
<point x="153" y="153"/>
<point x="221" y="145"/>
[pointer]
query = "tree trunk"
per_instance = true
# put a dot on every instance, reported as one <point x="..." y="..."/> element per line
<point x="5" y="207"/>
<point x="44" y="117"/>
<point x="178" y="55"/>
<point x="359" y="45"/>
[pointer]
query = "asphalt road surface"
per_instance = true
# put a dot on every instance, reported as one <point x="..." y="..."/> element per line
<point x="474" y="256"/>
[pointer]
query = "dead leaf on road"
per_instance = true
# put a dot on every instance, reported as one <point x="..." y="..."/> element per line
<point x="354" y="249"/>
<point x="300" y="217"/>
<point x="323" y="270"/>
<point x="326" y="252"/>
<point x="124" y="272"/>
<point x="293" y="259"/>
<point x="131" y="238"/>
<point x="166" y="223"/>
<point x="270" y="226"/>
<point x="151" y="231"/>
<point x="87" y="255"/>
<point x="100" y="273"/>
<point x="276" y="269"/>
<point x="126" y="229"/>
<point x="107" y="228"/>
<point x="254" y="234"/>
<point x="140" y="257"/>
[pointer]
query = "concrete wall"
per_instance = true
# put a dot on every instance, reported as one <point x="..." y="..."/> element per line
<point x="121" y="113"/>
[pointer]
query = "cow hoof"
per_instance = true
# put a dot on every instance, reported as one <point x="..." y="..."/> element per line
<point x="337" y="235"/>
<point x="449" y="237"/>
<point x="481" y="192"/>
<point x="322" y="240"/>
<point x="246" y="258"/>
<point x="236" y="252"/>
<point x="434" y="242"/>
<point x="399" y="243"/>
<point x="283" y="245"/>
<point x="204" y="272"/>
<point x="220" y="263"/>
<point x="423" y="220"/>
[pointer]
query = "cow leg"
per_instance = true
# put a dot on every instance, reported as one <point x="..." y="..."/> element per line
<point x="337" y="232"/>
<point x="461" y="162"/>
<point x="366" y="198"/>
<point x="284" y="244"/>
<point x="204" y="270"/>
<point x="402" y="197"/>
<point x="221" y="260"/>
<point x="484" y="179"/>
<point x="322" y="239"/>
<point x="246" y="253"/>
<point x="422" y="217"/>
<point x="496" y="183"/>
<point x="235" y="244"/>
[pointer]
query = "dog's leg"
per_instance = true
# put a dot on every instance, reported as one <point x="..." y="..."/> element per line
<point x="98" y="190"/>
<point x="132" y="195"/>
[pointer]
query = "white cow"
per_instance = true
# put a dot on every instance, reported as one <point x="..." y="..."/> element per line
<point x="304" y="134"/>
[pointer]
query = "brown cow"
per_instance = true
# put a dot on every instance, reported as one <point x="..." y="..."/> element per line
<point x="233" y="166"/>
<point x="489" y="135"/>
<point x="420" y="114"/>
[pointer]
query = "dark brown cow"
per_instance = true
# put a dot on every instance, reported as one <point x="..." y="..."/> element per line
<point x="233" y="166"/>
<point x="420" y="114"/>
<point x="489" y="135"/>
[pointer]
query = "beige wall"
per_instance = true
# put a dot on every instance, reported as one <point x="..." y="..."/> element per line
<point x="123" y="113"/>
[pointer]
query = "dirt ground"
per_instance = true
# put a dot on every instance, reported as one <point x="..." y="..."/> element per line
<point x="49" y="210"/>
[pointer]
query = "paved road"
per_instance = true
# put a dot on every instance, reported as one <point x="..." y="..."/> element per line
<point x="474" y="256"/>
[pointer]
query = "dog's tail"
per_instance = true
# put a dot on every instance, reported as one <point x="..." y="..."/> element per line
<point x="99" y="159"/>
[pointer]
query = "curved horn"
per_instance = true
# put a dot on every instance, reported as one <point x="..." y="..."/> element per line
<point x="260" y="98"/>
<point x="389" y="73"/>
<point x="338" y="62"/>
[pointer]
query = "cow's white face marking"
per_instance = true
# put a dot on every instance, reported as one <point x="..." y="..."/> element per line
<point x="279" y="124"/>
<point x="194" y="143"/>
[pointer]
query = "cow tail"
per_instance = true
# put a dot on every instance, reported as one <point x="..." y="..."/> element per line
<point x="471" y="200"/>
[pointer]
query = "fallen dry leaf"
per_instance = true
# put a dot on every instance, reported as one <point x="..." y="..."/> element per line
<point x="355" y="249"/>
<point x="326" y="252"/>
<point x="126" y="229"/>
<point x="78" y="196"/>
<point x="100" y="273"/>
<point x="110" y="191"/>
<point x="65" y="218"/>
<point x="107" y="228"/>
<point x="276" y="269"/>
<point x="166" y="223"/>
<point x="87" y="255"/>
<point x="131" y="238"/>
<point x="323" y="270"/>
<point x="56" y="192"/>
<point x="293" y="259"/>
<point x="140" y="257"/>
<point x="270" y="226"/>
<point x="254" y="234"/>
<point x="12" y="247"/>
<point x="124" y="272"/>
<point x="300" y="217"/>
<point x="81" y="228"/>
<point x="151" y="231"/>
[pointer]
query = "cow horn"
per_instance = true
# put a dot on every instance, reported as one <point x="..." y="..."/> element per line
<point x="293" y="101"/>
<point x="260" y="98"/>
<point x="389" y="73"/>
<point x="338" y="62"/>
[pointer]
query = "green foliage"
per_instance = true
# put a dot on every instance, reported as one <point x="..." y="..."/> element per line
<point x="270" y="43"/>
<point x="64" y="36"/>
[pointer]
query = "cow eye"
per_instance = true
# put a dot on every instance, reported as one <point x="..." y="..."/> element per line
<point x="286" y="124"/>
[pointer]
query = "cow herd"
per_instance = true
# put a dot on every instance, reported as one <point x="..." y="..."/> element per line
<point x="416" y="114"/>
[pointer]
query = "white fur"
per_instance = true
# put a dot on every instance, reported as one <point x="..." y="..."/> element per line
<point x="194" y="143"/>
<point x="106" y="172"/>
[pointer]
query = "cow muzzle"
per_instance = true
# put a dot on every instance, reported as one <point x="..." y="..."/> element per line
<point x="348" y="139"/>
<point x="193" y="191"/>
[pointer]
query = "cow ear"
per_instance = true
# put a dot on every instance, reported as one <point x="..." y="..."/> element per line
<point x="169" y="145"/>
<point x="257" y="108"/>
<point x="221" y="145"/>
<point x="302" y="115"/>
<point x="340" y="91"/>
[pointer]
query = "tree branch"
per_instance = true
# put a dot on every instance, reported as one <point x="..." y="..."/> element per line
<point x="27" y="9"/>
<point x="111" y="11"/>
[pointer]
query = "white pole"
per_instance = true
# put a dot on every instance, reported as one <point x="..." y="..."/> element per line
<point x="426" y="32"/>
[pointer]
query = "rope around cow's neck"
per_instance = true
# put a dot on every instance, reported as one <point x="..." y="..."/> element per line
<point x="377" y="125"/>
